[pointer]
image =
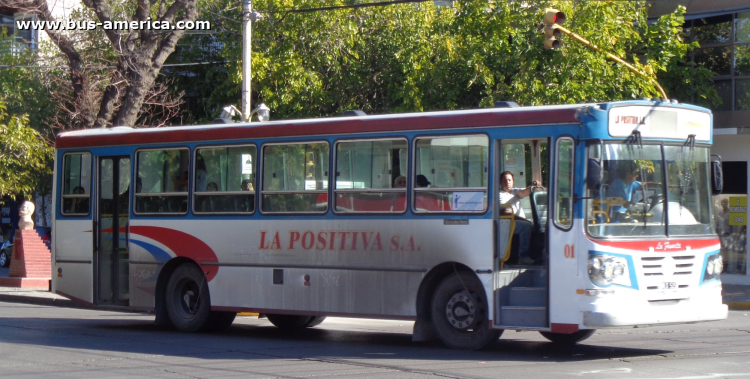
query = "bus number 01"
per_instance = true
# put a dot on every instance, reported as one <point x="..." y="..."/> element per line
<point x="570" y="251"/>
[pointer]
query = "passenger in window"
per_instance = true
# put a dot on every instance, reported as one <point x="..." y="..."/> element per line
<point x="247" y="185"/>
<point x="182" y="182"/>
<point x="512" y="196"/>
<point x="212" y="187"/>
<point x="400" y="182"/>
<point x="79" y="205"/>
<point x="623" y="187"/>
<point x="244" y="203"/>
<point x="201" y="177"/>
<point x="422" y="181"/>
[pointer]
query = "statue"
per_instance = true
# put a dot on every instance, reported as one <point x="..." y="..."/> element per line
<point x="25" y="212"/>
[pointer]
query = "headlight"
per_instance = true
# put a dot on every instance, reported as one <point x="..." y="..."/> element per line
<point x="605" y="270"/>
<point x="714" y="267"/>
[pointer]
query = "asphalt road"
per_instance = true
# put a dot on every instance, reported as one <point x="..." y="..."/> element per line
<point x="52" y="342"/>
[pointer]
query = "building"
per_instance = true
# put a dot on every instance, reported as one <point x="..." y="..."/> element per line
<point x="30" y="38"/>
<point x="722" y="27"/>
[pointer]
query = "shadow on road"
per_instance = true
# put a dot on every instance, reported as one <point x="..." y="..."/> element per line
<point x="254" y="339"/>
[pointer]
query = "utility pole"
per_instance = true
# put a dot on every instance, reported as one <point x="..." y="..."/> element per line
<point x="247" y="25"/>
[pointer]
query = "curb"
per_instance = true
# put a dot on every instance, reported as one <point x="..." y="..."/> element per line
<point x="36" y="300"/>
<point x="738" y="305"/>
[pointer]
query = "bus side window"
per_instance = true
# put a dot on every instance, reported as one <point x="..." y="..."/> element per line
<point x="369" y="177"/>
<point x="76" y="192"/>
<point x="295" y="178"/>
<point x="162" y="181"/>
<point x="451" y="174"/>
<point x="224" y="179"/>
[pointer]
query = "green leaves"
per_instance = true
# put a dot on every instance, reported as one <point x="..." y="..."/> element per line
<point x="414" y="57"/>
<point x="25" y="157"/>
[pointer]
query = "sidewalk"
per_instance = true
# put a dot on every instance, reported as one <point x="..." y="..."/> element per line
<point x="736" y="296"/>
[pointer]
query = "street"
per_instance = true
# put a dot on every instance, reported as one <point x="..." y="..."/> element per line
<point x="40" y="341"/>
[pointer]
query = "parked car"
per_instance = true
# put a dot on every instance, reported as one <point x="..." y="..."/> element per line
<point x="6" y="251"/>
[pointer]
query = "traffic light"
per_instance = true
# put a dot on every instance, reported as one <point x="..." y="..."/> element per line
<point x="553" y="18"/>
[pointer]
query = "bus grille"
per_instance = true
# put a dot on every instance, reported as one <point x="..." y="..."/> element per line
<point x="669" y="275"/>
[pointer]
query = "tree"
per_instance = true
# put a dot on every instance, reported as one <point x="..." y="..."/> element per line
<point x="115" y="96"/>
<point x="25" y="155"/>
<point x="24" y="87"/>
<point x="414" y="57"/>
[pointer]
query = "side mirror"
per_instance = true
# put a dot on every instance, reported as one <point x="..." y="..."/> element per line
<point x="717" y="176"/>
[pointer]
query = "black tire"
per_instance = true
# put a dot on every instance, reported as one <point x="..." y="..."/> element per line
<point x="289" y="321"/>
<point x="188" y="300"/>
<point x="315" y="321"/>
<point x="460" y="313"/>
<point x="219" y="321"/>
<point x="4" y="258"/>
<point x="568" y="339"/>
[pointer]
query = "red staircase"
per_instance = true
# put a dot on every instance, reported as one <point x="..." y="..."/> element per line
<point x="31" y="264"/>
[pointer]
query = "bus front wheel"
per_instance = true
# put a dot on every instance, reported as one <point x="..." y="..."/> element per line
<point x="568" y="339"/>
<point x="188" y="301"/>
<point x="460" y="313"/>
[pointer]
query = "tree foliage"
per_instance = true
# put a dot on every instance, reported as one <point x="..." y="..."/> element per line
<point x="24" y="87"/>
<point x="25" y="156"/>
<point x="113" y="72"/>
<point x="414" y="57"/>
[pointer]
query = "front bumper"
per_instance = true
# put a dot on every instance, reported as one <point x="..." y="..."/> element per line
<point x="658" y="313"/>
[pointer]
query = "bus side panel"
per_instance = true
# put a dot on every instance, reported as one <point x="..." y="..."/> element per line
<point x="308" y="290"/>
<point x="565" y="275"/>
<point x="345" y="265"/>
<point x="72" y="260"/>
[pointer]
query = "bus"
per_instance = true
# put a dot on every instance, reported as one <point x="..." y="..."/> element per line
<point x="398" y="217"/>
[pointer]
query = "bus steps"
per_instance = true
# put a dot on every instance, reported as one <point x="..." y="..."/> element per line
<point x="514" y="315"/>
<point x="523" y="300"/>
<point x="528" y="296"/>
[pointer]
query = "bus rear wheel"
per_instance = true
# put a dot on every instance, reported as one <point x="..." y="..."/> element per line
<point x="460" y="313"/>
<point x="188" y="301"/>
<point x="294" y="321"/>
<point x="568" y="339"/>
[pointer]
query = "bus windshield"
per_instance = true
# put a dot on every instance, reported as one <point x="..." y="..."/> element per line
<point x="648" y="190"/>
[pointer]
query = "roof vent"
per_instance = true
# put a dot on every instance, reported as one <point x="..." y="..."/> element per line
<point x="355" y="113"/>
<point x="506" y="104"/>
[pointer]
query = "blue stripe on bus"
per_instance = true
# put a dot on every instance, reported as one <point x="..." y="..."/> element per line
<point x="158" y="253"/>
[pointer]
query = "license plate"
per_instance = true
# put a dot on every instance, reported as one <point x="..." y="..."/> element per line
<point x="669" y="285"/>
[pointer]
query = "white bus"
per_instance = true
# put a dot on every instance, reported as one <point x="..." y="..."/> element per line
<point x="298" y="220"/>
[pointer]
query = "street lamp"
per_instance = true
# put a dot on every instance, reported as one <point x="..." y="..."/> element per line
<point x="263" y="112"/>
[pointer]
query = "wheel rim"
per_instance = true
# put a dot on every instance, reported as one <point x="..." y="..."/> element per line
<point x="3" y="259"/>
<point x="187" y="300"/>
<point x="461" y="310"/>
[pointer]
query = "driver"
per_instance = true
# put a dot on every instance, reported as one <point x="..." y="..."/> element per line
<point x="624" y="187"/>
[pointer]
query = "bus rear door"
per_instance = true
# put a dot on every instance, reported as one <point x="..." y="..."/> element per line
<point x="111" y="253"/>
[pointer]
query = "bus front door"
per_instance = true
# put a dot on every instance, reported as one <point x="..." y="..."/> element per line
<point x="113" y="210"/>
<point x="521" y="286"/>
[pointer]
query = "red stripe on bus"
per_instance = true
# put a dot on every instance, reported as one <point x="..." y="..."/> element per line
<point x="182" y="244"/>
<point x="661" y="245"/>
<point x="347" y="126"/>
